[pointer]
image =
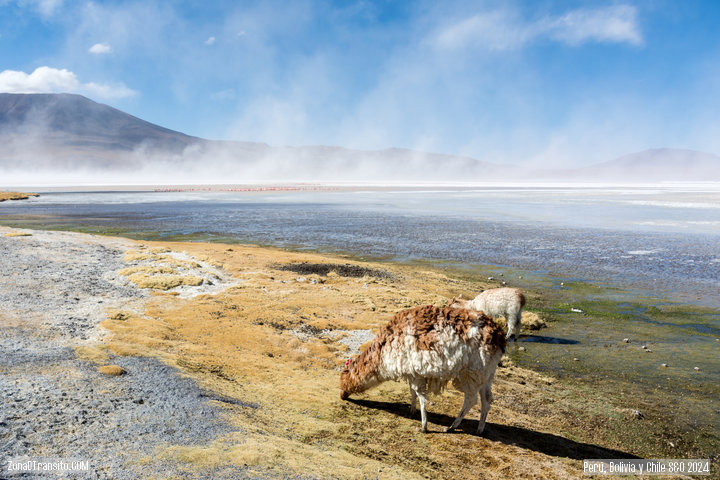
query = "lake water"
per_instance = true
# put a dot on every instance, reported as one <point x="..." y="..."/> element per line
<point x="659" y="240"/>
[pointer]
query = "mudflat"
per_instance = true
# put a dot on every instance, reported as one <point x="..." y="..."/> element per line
<point x="196" y="360"/>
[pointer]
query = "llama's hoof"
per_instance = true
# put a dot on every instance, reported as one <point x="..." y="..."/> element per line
<point x="449" y="430"/>
<point x="421" y="430"/>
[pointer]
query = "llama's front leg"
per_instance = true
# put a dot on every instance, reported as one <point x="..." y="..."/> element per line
<point x="470" y="401"/>
<point x="413" y="402"/>
<point x="486" y="397"/>
<point x="419" y="389"/>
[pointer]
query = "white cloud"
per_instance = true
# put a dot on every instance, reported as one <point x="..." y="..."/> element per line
<point x="100" y="49"/>
<point x="47" y="8"/>
<point x="52" y="80"/>
<point x="504" y="30"/>
<point x="615" y="24"/>
<point x="210" y="41"/>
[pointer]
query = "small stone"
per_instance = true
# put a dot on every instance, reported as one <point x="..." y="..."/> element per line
<point x="626" y="340"/>
<point x="491" y="278"/>
<point x="644" y="347"/>
<point x="576" y="310"/>
<point x="637" y="414"/>
<point x="664" y="365"/>
<point x="522" y="349"/>
<point x="576" y="359"/>
<point x="562" y="284"/>
<point x="697" y="369"/>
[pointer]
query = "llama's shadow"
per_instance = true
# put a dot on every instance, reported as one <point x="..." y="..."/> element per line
<point x="541" y="442"/>
<point x="543" y="339"/>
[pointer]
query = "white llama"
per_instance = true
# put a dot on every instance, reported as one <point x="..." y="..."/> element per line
<point x="497" y="302"/>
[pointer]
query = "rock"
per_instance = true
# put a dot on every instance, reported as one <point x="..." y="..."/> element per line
<point x="626" y="340"/>
<point x="112" y="370"/>
<point x="637" y="414"/>
<point x="576" y="310"/>
<point x="522" y="349"/>
<point x="664" y="365"/>
<point x="576" y="359"/>
<point x="644" y="347"/>
<point x="697" y="369"/>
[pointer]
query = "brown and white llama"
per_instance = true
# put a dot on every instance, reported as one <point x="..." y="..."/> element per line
<point x="429" y="347"/>
<point x="497" y="302"/>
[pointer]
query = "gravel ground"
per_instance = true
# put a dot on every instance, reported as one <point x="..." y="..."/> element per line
<point x="54" y="290"/>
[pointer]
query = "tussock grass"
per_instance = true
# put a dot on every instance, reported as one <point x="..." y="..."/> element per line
<point x="16" y="196"/>
<point x="92" y="353"/>
<point x="164" y="282"/>
<point x="18" y="234"/>
<point x="112" y="370"/>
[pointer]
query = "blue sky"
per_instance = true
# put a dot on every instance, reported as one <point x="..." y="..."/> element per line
<point x="548" y="83"/>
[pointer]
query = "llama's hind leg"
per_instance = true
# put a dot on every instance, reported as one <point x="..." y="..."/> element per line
<point x="413" y="402"/>
<point x="513" y="324"/>
<point x="486" y="398"/>
<point x="468" y="403"/>
<point x="419" y="388"/>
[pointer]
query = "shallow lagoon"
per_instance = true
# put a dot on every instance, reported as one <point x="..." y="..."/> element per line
<point x="662" y="241"/>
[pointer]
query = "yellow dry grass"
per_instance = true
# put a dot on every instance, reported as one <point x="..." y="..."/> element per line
<point x="243" y="344"/>
<point x="16" y="196"/>
<point x="92" y="353"/>
<point x="18" y="234"/>
<point x="147" y="269"/>
<point x="164" y="282"/>
<point x="112" y="370"/>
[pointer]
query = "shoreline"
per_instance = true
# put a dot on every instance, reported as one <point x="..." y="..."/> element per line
<point x="175" y="329"/>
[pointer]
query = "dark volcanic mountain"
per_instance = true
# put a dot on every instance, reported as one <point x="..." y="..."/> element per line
<point x="67" y="127"/>
<point x="67" y="133"/>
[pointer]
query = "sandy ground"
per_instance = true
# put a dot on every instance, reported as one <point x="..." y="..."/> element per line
<point x="232" y="356"/>
<point x="55" y="288"/>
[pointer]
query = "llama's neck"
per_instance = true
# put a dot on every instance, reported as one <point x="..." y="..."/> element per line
<point x="364" y="371"/>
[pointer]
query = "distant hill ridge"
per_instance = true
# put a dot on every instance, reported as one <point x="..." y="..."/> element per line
<point x="84" y="121"/>
<point x="70" y="132"/>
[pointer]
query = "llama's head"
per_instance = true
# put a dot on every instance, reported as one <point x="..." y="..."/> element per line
<point x="346" y="382"/>
<point x="458" y="302"/>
